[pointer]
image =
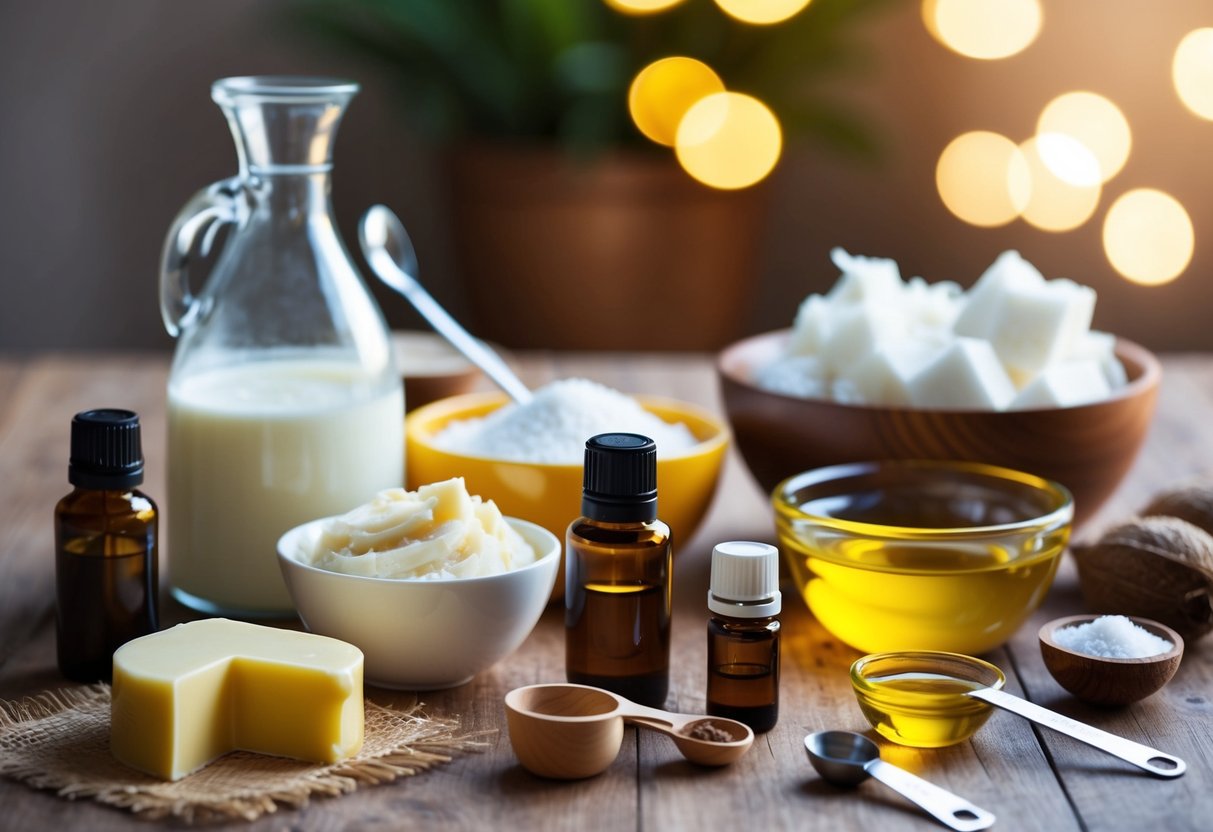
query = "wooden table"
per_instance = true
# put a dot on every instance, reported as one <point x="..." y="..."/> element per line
<point x="1032" y="780"/>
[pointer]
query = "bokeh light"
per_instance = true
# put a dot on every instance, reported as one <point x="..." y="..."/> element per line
<point x="641" y="6"/>
<point x="762" y="12"/>
<point x="1068" y="159"/>
<point x="983" y="179"/>
<point x="1192" y="72"/>
<point x="1148" y="236"/>
<point x="1055" y="204"/>
<point x="985" y="29"/>
<point x="1094" y="121"/>
<point x="664" y="90"/>
<point x="728" y="140"/>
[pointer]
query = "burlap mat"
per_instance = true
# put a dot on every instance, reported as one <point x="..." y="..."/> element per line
<point x="60" y="741"/>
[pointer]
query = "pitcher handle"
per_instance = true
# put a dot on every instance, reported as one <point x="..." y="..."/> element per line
<point x="223" y="203"/>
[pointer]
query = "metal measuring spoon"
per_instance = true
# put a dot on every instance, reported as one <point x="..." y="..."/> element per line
<point x="390" y="253"/>
<point x="845" y="758"/>
<point x="1142" y="756"/>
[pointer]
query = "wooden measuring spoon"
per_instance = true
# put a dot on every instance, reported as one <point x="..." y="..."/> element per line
<point x="705" y="740"/>
<point x="568" y="731"/>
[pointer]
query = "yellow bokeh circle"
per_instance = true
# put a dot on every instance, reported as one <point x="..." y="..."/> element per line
<point x="1095" y="122"/>
<point x="1148" y="236"/>
<point x="985" y="29"/>
<point x="1068" y="159"/>
<point x="762" y="12"/>
<point x="663" y="91"/>
<point x="641" y="6"/>
<point x="983" y="179"/>
<point x="728" y="140"/>
<point x="1192" y="72"/>
<point x="1055" y="204"/>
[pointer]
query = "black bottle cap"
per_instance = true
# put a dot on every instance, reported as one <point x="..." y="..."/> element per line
<point x="107" y="450"/>
<point x="620" y="480"/>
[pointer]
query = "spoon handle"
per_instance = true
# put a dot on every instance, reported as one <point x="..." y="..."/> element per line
<point x="1142" y="756"/>
<point x="450" y="329"/>
<point x="633" y="712"/>
<point x="949" y="809"/>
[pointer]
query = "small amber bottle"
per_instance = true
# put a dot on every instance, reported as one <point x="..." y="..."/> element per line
<point x="105" y="547"/>
<point x="618" y="563"/>
<point x="743" y="634"/>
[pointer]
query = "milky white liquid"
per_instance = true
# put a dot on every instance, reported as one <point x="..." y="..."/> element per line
<point x="257" y="449"/>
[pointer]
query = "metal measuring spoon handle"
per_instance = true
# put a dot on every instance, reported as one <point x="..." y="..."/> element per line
<point x="947" y="808"/>
<point x="379" y="229"/>
<point x="1142" y="756"/>
<point x="845" y="758"/>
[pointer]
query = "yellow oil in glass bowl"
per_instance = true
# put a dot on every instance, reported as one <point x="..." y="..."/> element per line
<point x="919" y="698"/>
<point x="950" y="556"/>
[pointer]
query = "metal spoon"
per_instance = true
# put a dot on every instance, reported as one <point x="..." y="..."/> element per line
<point x="845" y="758"/>
<point x="1143" y="756"/>
<point x="391" y="255"/>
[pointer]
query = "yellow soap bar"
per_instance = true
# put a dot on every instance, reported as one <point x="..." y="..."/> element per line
<point x="185" y="696"/>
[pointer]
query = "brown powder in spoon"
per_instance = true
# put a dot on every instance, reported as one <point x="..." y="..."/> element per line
<point x="708" y="731"/>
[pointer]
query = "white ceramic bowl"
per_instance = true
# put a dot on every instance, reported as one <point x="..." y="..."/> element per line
<point x="422" y="635"/>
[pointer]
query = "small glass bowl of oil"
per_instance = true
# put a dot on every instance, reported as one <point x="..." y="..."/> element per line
<point x="917" y="555"/>
<point x="921" y="698"/>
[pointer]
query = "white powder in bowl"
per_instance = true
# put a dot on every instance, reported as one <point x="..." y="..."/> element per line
<point x="1111" y="637"/>
<point x="554" y="426"/>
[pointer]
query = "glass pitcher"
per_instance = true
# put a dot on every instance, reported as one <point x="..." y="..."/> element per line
<point x="284" y="403"/>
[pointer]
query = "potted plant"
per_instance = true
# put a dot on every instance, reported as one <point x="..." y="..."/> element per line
<point x="597" y="236"/>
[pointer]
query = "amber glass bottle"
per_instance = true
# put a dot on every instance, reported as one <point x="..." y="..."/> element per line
<point x="105" y="547"/>
<point x="618" y="563"/>
<point x="743" y="634"/>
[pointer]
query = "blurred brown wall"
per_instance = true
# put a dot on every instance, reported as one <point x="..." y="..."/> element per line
<point x="106" y="127"/>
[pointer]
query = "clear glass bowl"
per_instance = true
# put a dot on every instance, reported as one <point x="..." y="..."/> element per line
<point x="950" y="556"/>
<point x="920" y="698"/>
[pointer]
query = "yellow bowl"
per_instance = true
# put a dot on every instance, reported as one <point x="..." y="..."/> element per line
<point x="550" y="494"/>
<point x="947" y="556"/>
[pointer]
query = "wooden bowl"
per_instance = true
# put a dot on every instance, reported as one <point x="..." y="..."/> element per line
<point x="432" y="368"/>
<point x="1088" y="448"/>
<point x="1104" y="681"/>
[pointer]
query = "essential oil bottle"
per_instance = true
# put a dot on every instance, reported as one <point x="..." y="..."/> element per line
<point x="105" y="547"/>
<point x="618" y="563"/>
<point x="743" y="634"/>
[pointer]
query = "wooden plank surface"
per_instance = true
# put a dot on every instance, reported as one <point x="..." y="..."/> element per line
<point x="1032" y="780"/>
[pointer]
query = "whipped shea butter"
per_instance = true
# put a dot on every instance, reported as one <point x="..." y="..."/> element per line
<point x="438" y="531"/>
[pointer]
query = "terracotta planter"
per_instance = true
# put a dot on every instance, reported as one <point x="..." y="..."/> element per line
<point x="626" y="253"/>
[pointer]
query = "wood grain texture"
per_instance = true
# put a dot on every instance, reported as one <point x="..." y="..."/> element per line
<point x="1032" y="780"/>
<point x="564" y="732"/>
<point x="1100" y="681"/>
<point x="1089" y="448"/>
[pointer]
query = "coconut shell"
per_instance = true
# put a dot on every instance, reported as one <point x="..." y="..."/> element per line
<point x="1192" y="502"/>
<point x="1155" y="567"/>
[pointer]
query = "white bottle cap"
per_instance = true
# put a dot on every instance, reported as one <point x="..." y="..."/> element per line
<point x="745" y="580"/>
